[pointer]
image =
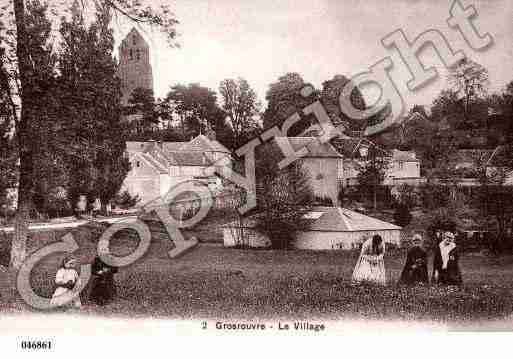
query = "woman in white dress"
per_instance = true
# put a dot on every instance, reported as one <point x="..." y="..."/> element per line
<point x="370" y="267"/>
<point x="66" y="279"/>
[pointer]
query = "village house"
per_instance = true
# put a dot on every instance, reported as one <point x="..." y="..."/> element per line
<point x="468" y="164"/>
<point x="322" y="164"/>
<point x="158" y="166"/>
<point x="337" y="163"/>
<point x="327" y="228"/>
<point x="404" y="167"/>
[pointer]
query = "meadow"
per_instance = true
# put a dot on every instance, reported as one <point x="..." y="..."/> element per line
<point x="218" y="283"/>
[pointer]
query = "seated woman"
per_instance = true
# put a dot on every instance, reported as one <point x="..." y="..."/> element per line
<point x="103" y="288"/>
<point x="446" y="270"/>
<point x="370" y="267"/>
<point x="66" y="279"/>
<point x="415" y="270"/>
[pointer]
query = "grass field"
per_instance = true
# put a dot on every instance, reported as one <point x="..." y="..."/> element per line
<point x="214" y="282"/>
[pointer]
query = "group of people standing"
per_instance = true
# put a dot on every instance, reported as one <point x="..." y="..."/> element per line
<point x="101" y="290"/>
<point x="370" y="266"/>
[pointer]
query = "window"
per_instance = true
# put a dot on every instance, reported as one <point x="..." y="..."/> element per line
<point x="134" y="40"/>
<point x="138" y="164"/>
<point x="401" y="165"/>
<point x="131" y="54"/>
<point x="138" y="54"/>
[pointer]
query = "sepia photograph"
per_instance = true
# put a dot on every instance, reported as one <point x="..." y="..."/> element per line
<point x="302" y="168"/>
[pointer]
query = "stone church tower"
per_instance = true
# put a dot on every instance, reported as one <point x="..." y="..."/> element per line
<point x="134" y="64"/>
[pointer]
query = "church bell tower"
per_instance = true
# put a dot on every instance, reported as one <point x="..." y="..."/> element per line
<point x="134" y="64"/>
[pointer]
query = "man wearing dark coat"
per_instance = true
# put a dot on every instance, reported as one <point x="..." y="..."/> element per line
<point x="103" y="288"/>
<point x="446" y="270"/>
<point x="415" y="269"/>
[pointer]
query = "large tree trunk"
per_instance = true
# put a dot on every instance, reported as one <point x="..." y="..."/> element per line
<point x="25" y="186"/>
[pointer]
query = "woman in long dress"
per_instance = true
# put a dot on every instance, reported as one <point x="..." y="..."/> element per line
<point x="66" y="279"/>
<point x="103" y="288"/>
<point x="370" y="267"/>
<point x="446" y="270"/>
<point x="415" y="269"/>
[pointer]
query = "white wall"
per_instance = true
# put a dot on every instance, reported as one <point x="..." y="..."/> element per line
<point x="409" y="169"/>
<point x="146" y="187"/>
<point x="396" y="170"/>
<point x="341" y="240"/>
<point x="231" y="238"/>
<point x="312" y="240"/>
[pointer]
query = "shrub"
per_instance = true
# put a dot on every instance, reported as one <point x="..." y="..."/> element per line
<point x="407" y="195"/>
<point x="5" y="249"/>
<point x="402" y="215"/>
<point x="125" y="200"/>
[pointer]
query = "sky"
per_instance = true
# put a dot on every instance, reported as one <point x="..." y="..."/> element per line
<point x="262" y="40"/>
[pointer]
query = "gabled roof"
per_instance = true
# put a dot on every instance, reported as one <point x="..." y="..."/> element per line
<point x="344" y="220"/>
<point x="190" y="158"/>
<point x="349" y="147"/>
<point x="334" y="219"/>
<point x="177" y="153"/>
<point x="172" y="146"/>
<point x="202" y="143"/>
<point x="166" y="158"/>
<point x="148" y="159"/>
<point x="315" y="149"/>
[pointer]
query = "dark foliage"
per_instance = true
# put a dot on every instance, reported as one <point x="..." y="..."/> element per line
<point x="402" y="215"/>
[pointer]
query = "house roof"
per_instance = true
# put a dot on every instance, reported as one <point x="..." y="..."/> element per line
<point x="335" y="219"/>
<point x="344" y="220"/>
<point x="151" y="161"/>
<point x="349" y="147"/>
<point x="190" y="158"/>
<point x="202" y="143"/>
<point x="172" y="146"/>
<point x="177" y="153"/>
<point x="315" y="149"/>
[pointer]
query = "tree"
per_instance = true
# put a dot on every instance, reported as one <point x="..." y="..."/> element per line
<point x="402" y="215"/>
<point x="241" y="104"/>
<point x="91" y="99"/>
<point x="330" y="97"/>
<point x="284" y="99"/>
<point x="447" y="108"/>
<point x="8" y="167"/>
<point x="48" y="168"/>
<point x="434" y="145"/>
<point x="283" y="197"/>
<point x="372" y="171"/>
<point x="142" y="102"/>
<point x="469" y="80"/>
<point x="30" y="91"/>
<point x="196" y="107"/>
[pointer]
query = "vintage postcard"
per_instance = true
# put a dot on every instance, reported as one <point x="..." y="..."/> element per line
<point x="194" y="168"/>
